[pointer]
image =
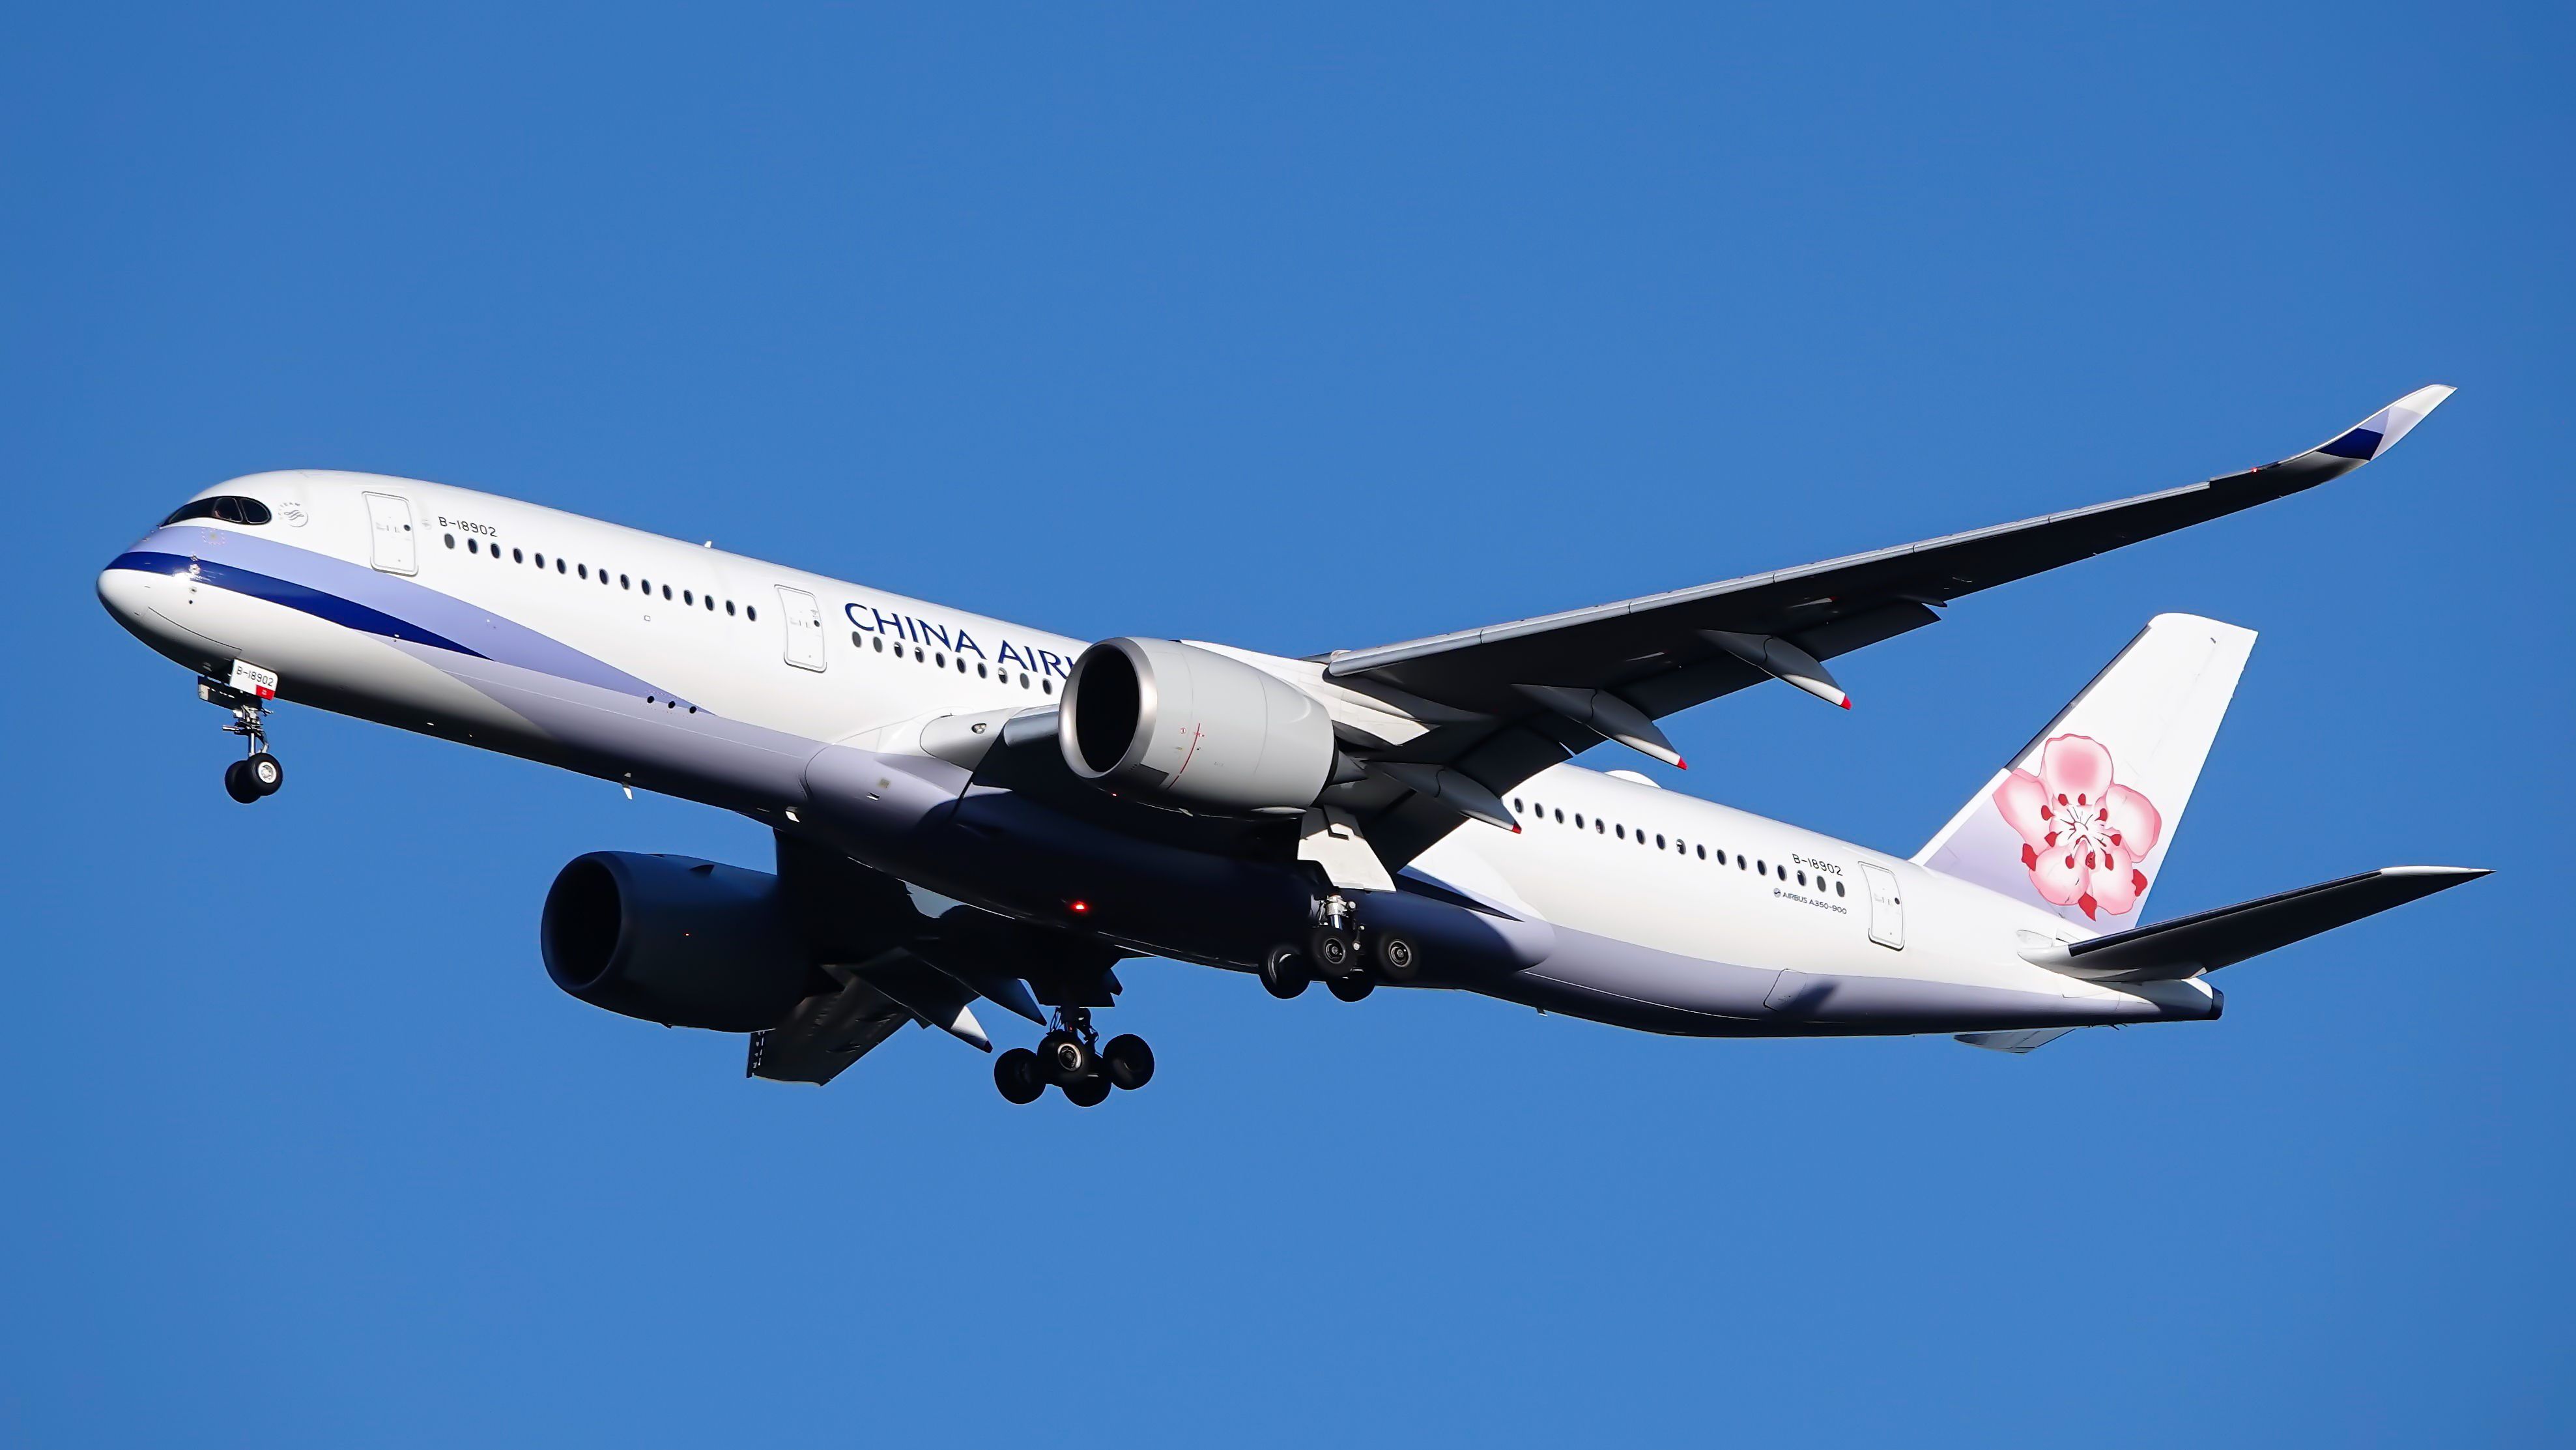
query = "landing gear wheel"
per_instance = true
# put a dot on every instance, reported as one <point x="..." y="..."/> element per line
<point x="1016" y="1073"/>
<point x="1395" y="957"/>
<point x="238" y="783"/>
<point x="1090" y="1092"/>
<point x="1131" y="1062"/>
<point x="1284" y="974"/>
<point x="1351" y="988"/>
<point x="1065" y="1060"/>
<point x="265" y="773"/>
<point x="1331" y="951"/>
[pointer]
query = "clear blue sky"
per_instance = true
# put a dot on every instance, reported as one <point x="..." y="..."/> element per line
<point x="1296" y="333"/>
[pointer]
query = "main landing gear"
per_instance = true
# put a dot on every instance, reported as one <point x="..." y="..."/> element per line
<point x="1351" y="957"/>
<point x="1072" y="1057"/>
<point x="260" y="774"/>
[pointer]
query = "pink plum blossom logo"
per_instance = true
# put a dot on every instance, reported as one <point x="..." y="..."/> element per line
<point x="2083" y="834"/>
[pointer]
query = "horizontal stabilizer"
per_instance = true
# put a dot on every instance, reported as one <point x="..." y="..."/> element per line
<point x="2190" y="945"/>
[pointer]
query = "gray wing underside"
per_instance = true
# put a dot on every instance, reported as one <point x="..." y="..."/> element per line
<point x="825" y="1034"/>
<point x="1653" y="651"/>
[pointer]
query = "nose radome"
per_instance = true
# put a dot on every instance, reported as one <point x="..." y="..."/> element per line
<point x="125" y="592"/>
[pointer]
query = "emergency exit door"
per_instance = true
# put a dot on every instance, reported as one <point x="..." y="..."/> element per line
<point x="391" y="544"/>
<point x="1886" y="907"/>
<point x="804" y="628"/>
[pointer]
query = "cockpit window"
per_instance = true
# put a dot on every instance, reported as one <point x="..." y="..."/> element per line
<point x="228" y="508"/>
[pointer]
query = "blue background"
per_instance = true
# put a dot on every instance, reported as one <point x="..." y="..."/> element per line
<point x="1296" y="333"/>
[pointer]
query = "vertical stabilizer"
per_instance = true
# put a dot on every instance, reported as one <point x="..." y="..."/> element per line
<point x="2080" y="821"/>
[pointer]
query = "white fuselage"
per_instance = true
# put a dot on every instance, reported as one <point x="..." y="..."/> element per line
<point x="712" y="640"/>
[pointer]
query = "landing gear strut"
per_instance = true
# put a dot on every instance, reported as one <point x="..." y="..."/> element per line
<point x="1072" y="1057"/>
<point x="260" y="774"/>
<point x="1350" y="956"/>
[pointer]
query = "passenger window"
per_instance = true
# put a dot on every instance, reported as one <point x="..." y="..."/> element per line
<point x="1046" y="687"/>
<point x="1659" y="841"/>
<point x="1703" y="854"/>
<point x="728" y="609"/>
<point x="982" y="673"/>
<point x="750" y="613"/>
<point x="1838" y="886"/>
<point x="1516" y="805"/>
<point x="1802" y="878"/>
<point x="1560" y="817"/>
<point x="472" y="547"/>
<point x="880" y="644"/>
<point x="516" y="557"/>
<point x="1024" y="679"/>
<point x="711" y="604"/>
<point x="451" y="540"/>
<point x="687" y="596"/>
<point x="1623" y="832"/>
<point x="1578" y="820"/>
<point x="666" y="591"/>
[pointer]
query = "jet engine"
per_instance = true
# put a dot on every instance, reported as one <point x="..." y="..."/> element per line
<point x="674" y="940"/>
<point x="1188" y="728"/>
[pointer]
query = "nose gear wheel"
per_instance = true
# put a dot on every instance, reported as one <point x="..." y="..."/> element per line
<point x="259" y="774"/>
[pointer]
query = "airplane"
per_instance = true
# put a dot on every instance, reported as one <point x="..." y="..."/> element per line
<point x="970" y="810"/>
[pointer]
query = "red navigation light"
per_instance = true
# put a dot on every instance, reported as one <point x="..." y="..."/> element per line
<point x="1078" y="907"/>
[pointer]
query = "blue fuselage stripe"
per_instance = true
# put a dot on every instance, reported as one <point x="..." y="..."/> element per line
<point x="294" y="596"/>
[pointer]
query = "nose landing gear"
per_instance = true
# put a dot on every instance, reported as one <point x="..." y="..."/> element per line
<point x="259" y="774"/>
<point x="1072" y="1058"/>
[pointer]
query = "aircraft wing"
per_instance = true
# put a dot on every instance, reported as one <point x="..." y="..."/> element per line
<point x="1537" y="691"/>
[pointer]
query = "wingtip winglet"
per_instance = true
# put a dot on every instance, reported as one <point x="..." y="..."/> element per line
<point x="2379" y="432"/>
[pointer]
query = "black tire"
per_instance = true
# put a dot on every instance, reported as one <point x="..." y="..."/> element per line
<point x="265" y="772"/>
<point x="1016" y="1073"/>
<point x="1331" y="952"/>
<point x="1090" y="1092"/>
<point x="1131" y="1062"/>
<point x="1397" y="961"/>
<point x="239" y="785"/>
<point x="1284" y="974"/>
<point x="1351" y="988"/>
<point x="1062" y="1059"/>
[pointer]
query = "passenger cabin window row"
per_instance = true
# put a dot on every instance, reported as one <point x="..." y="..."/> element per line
<point x="689" y="598"/>
<point x="1697" y="850"/>
<point x="939" y="660"/>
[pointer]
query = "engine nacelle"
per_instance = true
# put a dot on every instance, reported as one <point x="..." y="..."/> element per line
<point x="674" y="940"/>
<point x="1190" y="728"/>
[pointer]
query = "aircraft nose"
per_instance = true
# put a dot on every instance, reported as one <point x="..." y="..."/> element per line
<point x="124" y="591"/>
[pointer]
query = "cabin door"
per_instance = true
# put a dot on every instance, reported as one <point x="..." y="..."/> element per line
<point x="391" y="546"/>
<point x="1886" y="908"/>
<point x="804" y="628"/>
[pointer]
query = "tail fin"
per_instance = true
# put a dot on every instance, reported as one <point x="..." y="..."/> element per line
<point x="2080" y="821"/>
